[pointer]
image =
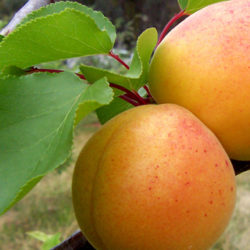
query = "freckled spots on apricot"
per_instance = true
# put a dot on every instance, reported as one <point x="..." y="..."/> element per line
<point x="157" y="167"/>
<point x="120" y="182"/>
<point x="212" y="91"/>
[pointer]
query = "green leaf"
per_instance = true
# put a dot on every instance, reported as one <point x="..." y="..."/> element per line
<point x="13" y="70"/>
<point x="37" y="117"/>
<point x="49" y="240"/>
<point x="137" y="75"/>
<point x="1" y="38"/>
<point x="99" y="91"/>
<point x="183" y="3"/>
<point x="107" y="112"/>
<point x="192" y="6"/>
<point x="70" y="32"/>
<point x="102" y="22"/>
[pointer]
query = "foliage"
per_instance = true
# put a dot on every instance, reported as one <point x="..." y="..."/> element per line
<point x="49" y="241"/>
<point x="192" y="6"/>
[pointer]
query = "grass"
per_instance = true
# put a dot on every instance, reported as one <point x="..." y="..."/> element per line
<point x="48" y="207"/>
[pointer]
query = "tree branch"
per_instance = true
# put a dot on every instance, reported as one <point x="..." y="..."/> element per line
<point x="23" y="12"/>
<point x="75" y="242"/>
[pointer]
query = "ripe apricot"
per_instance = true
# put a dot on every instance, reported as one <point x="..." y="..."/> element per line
<point x="203" y="64"/>
<point x="153" y="177"/>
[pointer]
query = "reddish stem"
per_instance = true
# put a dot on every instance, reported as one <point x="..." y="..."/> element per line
<point x="33" y="70"/>
<point x="116" y="86"/>
<point x="117" y="58"/>
<point x="140" y="99"/>
<point x="147" y="90"/>
<point x="129" y="93"/>
<point x="169" y="24"/>
<point x="129" y="100"/>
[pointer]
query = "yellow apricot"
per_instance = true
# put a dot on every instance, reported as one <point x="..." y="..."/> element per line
<point x="203" y="64"/>
<point x="153" y="177"/>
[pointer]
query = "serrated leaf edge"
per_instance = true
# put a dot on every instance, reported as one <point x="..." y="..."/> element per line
<point x="5" y="39"/>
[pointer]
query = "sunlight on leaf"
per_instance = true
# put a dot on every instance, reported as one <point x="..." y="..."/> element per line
<point x="192" y="6"/>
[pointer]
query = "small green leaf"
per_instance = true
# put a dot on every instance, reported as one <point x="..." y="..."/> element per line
<point x="13" y="70"/>
<point x="183" y="4"/>
<point x="192" y="6"/>
<point x="99" y="91"/>
<point x="37" y="117"/>
<point x="137" y="75"/>
<point x="38" y="235"/>
<point x="107" y="112"/>
<point x="49" y="241"/>
<point x="1" y="38"/>
<point x="66" y="34"/>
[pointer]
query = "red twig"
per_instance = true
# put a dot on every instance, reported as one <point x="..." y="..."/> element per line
<point x="129" y="93"/>
<point x="129" y="100"/>
<point x="147" y="90"/>
<point x="33" y="70"/>
<point x="116" y="86"/>
<point x="140" y="99"/>
<point x="169" y="24"/>
<point x="117" y="58"/>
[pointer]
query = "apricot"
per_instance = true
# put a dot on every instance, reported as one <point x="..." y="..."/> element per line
<point x="153" y="177"/>
<point x="203" y="64"/>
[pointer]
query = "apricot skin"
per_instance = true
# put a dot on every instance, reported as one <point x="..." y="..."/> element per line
<point x="203" y="64"/>
<point x="154" y="177"/>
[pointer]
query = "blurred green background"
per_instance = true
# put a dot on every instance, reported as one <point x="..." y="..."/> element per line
<point x="48" y="208"/>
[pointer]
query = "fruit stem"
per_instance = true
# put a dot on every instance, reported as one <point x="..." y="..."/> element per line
<point x="169" y="24"/>
<point x="126" y="98"/>
<point x="147" y="90"/>
<point x="140" y="99"/>
<point x="117" y="58"/>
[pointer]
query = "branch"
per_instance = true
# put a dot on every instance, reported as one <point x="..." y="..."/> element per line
<point x="76" y="241"/>
<point x="23" y="12"/>
<point x="240" y="166"/>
